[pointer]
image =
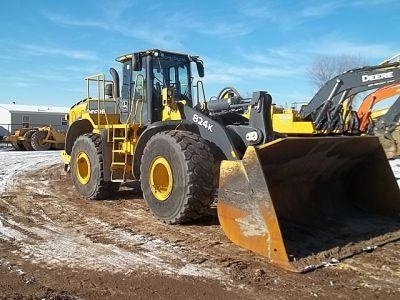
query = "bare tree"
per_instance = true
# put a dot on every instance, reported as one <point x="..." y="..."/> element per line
<point x="325" y="67"/>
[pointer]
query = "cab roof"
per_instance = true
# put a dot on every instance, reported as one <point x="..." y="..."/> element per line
<point x="153" y="52"/>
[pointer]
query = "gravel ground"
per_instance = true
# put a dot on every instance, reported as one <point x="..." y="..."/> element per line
<point x="56" y="245"/>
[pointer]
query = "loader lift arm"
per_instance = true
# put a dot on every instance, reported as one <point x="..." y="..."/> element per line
<point x="326" y="107"/>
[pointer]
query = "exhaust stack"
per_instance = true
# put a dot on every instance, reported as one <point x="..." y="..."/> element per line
<point x="115" y="78"/>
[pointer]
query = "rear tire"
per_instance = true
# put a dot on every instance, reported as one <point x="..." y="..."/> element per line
<point x="188" y="176"/>
<point x="37" y="141"/>
<point x="17" y="146"/>
<point x="87" y="168"/>
<point x="27" y="140"/>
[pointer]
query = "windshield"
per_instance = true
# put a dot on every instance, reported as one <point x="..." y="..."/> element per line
<point x="172" y="72"/>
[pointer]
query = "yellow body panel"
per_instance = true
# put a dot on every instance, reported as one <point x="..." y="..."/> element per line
<point x="171" y="114"/>
<point x="87" y="110"/>
<point x="65" y="157"/>
<point x="76" y="112"/>
<point x="247" y="114"/>
<point x="128" y="147"/>
<point x="285" y="123"/>
<point x="379" y="113"/>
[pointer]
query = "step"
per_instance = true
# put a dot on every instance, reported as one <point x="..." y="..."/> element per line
<point x="118" y="151"/>
<point x="118" y="180"/>
<point x="118" y="164"/>
<point x="119" y="138"/>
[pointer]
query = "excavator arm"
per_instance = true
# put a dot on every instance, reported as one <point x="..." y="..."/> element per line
<point x="325" y="108"/>
<point x="390" y="120"/>
<point x="365" y="109"/>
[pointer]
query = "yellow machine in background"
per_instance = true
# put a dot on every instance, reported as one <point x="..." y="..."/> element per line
<point x="288" y="121"/>
<point x="37" y="138"/>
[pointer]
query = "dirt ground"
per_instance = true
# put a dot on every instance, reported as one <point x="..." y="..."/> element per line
<point x="56" y="245"/>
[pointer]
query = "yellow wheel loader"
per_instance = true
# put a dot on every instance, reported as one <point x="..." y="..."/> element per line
<point x="298" y="201"/>
<point x="21" y="139"/>
<point x="36" y="138"/>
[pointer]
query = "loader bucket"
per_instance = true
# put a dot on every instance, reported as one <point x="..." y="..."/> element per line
<point x="301" y="202"/>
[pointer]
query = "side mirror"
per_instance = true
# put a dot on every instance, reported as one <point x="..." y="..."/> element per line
<point x="200" y="68"/>
<point x="136" y="62"/>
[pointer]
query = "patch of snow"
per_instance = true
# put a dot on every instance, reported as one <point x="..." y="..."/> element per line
<point x="395" y="164"/>
<point x="55" y="245"/>
<point x="199" y="271"/>
<point x="5" y="147"/>
<point x="8" y="234"/>
<point x="13" y="163"/>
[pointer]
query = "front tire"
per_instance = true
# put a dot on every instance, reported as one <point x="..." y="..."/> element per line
<point x="87" y="168"/>
<point x="17" y="145"/>
<point x="37" y="141"/>
<point x="176" y="175"/>
<point x="27" y="140"/>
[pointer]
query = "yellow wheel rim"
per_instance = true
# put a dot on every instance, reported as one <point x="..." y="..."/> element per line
<point x="160" y="179"/>
<point x="83" y="168"/>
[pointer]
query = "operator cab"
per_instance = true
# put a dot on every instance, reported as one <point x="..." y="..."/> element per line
<point x="144" y="77"/>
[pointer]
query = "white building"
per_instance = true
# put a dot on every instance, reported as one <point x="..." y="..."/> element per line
<point x="14" y="116"/>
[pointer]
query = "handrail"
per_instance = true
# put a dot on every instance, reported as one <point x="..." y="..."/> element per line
<point x="100" y="82"/>
<point x="391" y="59"/>
<point x="134" y="106"/>
<point x="197" y="86"/>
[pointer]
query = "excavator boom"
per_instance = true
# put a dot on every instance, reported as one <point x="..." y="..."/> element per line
<point x="325" y="108"/>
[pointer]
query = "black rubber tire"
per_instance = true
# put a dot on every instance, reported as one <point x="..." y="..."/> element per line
<point x="27" y="140"/>
<point x="37" y="141"/>
<point x="191" y="163"/>
<point x="17" y="146"/>
<point x="96" y="188"/>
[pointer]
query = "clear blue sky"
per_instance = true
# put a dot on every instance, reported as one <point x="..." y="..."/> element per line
<point x="48" y="47"/>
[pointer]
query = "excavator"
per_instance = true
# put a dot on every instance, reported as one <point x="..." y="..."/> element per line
<point x="383" y="122"/>
<point x="368" y="103"/>
<point x="390" y="121"/>
<point x="382" y="93"/>
<point x="300" y="201"/>
<point x="329" y="111"/>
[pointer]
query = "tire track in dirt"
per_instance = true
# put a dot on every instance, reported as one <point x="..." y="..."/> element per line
<point x="39" y="219"/>
<point x="51" y="225"/>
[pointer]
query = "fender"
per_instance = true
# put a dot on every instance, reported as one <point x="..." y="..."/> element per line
<point x="75" y="130"/>
<point x="210" y="130"/>
<point x="194" y="121"/>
